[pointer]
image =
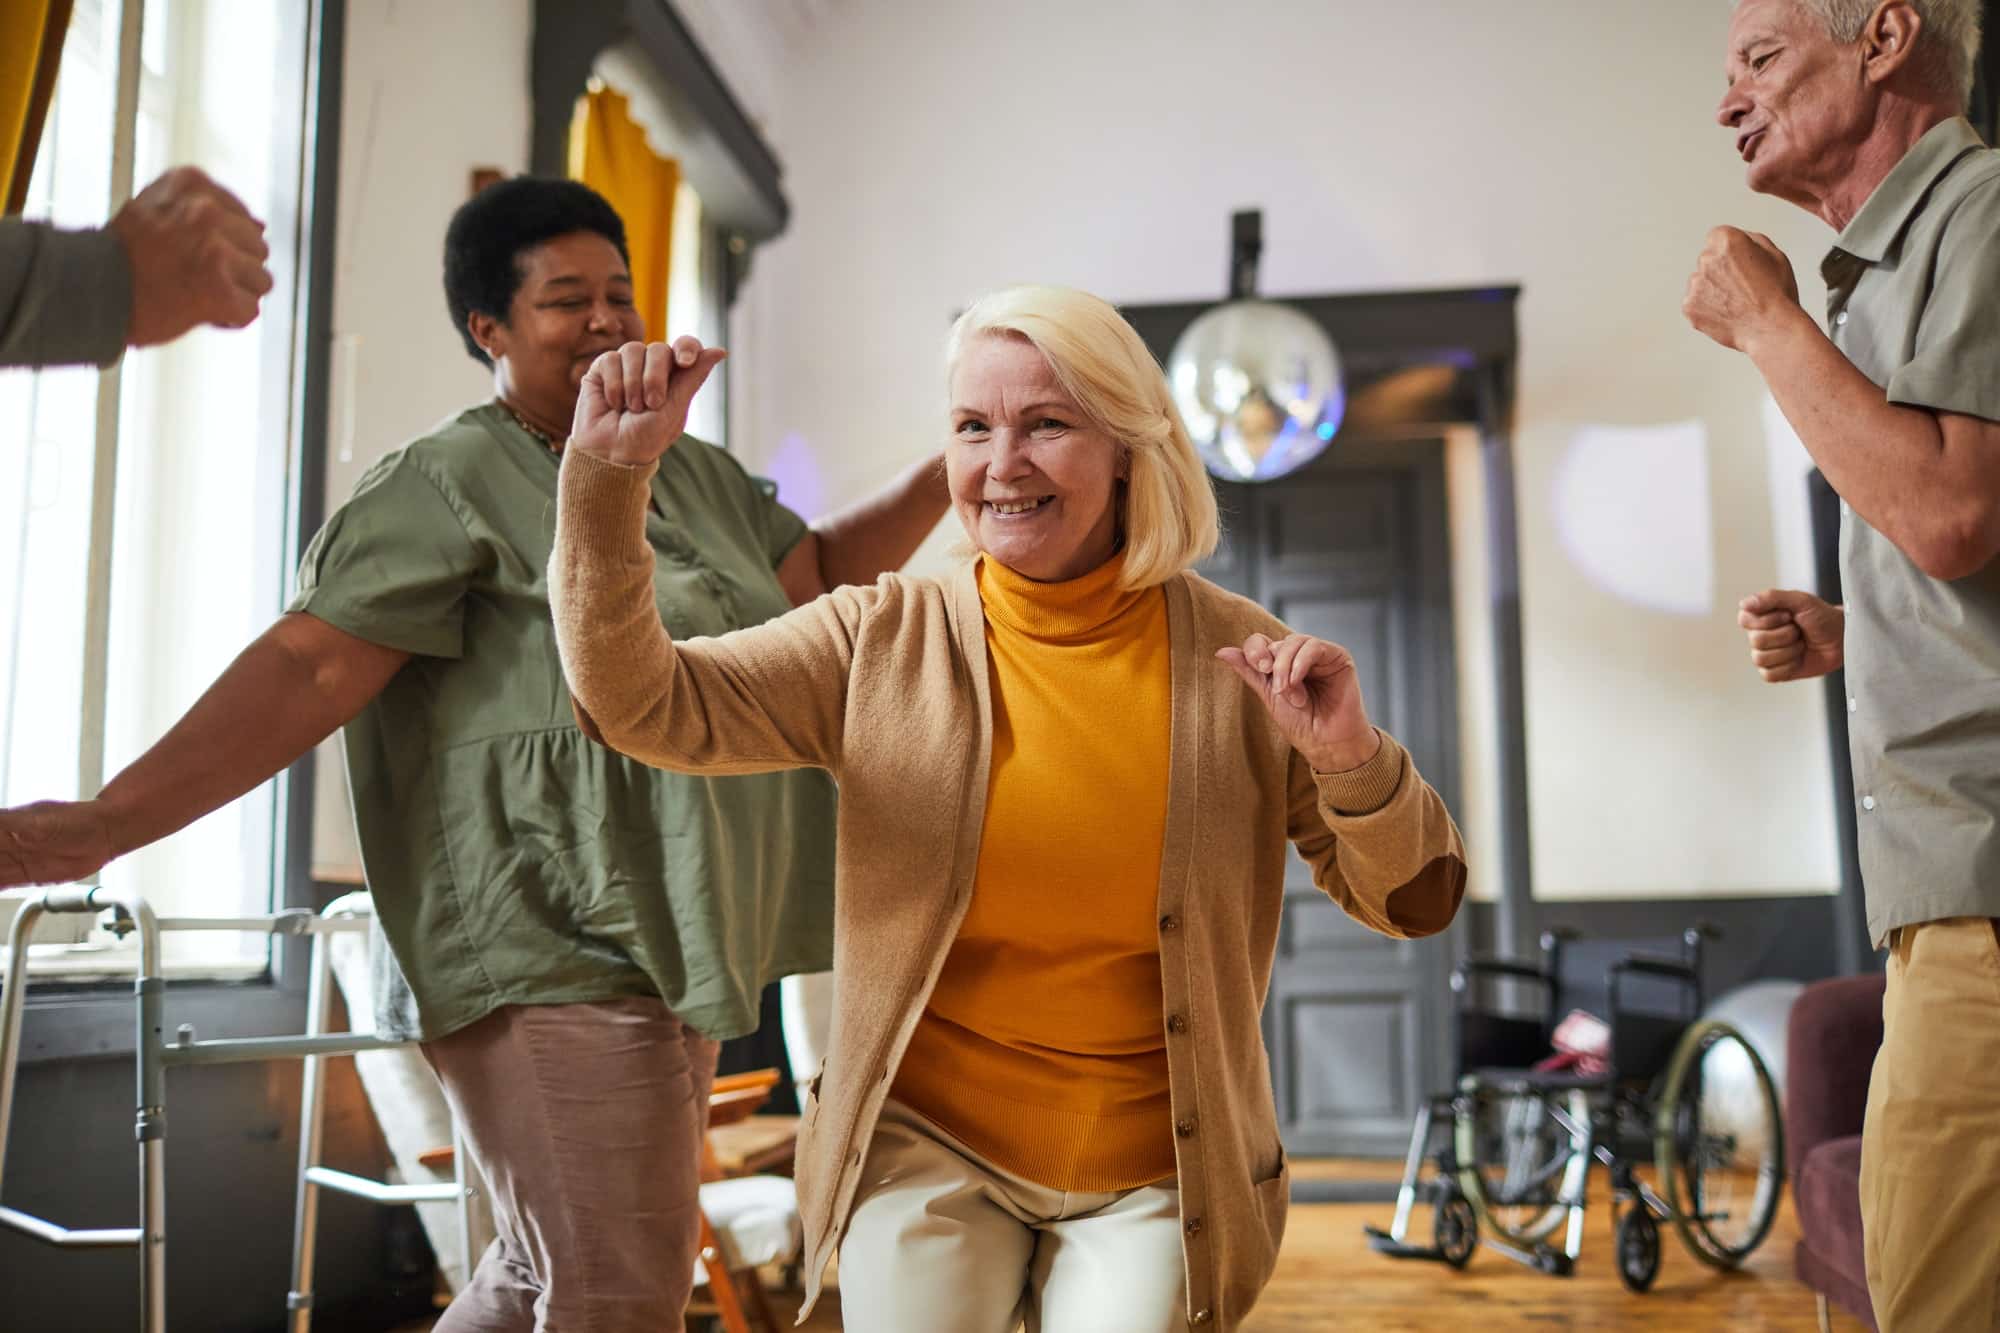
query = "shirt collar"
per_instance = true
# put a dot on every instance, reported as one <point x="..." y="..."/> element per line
<point x="1880" y="223"/>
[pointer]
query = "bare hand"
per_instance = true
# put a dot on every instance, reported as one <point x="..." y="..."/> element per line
<point x="1309" y="687"/>
<point x="197" y="257"/>
<point x="634" y="402"/>
<point x="52" y="842"/>
<point x="1742" y="286"/>
<point x="1793" y="635"/>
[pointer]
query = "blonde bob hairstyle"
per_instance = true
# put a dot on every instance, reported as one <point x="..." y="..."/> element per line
<point x="1166" y="506"/>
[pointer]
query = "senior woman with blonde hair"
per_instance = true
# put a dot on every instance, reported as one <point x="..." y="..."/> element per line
<point x="1062" y="836"/>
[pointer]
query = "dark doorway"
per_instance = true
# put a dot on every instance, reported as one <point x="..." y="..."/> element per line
<point x="1354" y="548"/>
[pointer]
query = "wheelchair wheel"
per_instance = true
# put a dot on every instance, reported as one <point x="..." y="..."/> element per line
<point x="1454" y="1226"/>
<point x="1719" y="1144"/>
<point x="1523" y="1154"/>
<point x="1638" y="1240"/>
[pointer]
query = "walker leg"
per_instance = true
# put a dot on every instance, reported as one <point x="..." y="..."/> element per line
<point x="151" y="1131"/>
<point x="12" y="1003"/>
<point x="312" y="1118"/>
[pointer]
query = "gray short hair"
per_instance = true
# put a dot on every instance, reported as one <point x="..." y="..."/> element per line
<point x="1948" y="45"/>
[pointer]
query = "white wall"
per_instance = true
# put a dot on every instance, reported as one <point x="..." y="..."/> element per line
<point x="431" y="91"/>
<point x="935" y="150"/>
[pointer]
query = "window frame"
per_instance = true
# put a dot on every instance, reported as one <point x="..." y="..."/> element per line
<point x="66" y="1020"/>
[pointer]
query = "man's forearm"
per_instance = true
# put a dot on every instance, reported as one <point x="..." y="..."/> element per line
<point x="1896" y="466"/>
<point x="866" y="539"/>
<point x="282" y="695"/>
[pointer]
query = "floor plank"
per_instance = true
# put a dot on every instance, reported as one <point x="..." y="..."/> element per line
<point x="1329" y="1279"/>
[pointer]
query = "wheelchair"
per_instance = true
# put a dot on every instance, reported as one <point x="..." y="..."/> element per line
<point x="1688" y="1100"/>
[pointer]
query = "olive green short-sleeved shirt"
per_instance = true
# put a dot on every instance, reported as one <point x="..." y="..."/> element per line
<point x="511" y="859"/>
<point x="1913" y="286"/>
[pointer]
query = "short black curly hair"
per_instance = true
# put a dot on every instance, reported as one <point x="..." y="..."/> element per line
<point x="489" y="232"/>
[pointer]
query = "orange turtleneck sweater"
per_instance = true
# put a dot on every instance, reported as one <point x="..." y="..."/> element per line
<point x="1043" y="1045"/>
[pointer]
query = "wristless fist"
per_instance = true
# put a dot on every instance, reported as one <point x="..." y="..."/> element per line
<point x="196" y="255"/>
<point x="634" y="402"/>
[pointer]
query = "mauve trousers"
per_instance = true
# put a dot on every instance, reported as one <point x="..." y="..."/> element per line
<point x="586" y="1121"/>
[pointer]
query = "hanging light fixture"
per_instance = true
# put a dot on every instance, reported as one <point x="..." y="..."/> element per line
<point x="1257" y="382"/>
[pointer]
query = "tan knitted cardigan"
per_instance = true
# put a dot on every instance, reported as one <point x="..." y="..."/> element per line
<point x="886" y="687"/>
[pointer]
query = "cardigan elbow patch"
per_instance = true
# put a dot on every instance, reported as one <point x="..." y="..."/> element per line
<point x="1427" y="902"/>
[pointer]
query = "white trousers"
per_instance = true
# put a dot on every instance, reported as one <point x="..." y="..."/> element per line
<point x="943" y="1241"/>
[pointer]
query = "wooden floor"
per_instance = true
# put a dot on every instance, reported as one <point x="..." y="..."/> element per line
<point x="1328" y="1278"/>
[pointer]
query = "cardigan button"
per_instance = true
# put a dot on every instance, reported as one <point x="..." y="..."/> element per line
<point x="1201" y="1316"/>
<point x="1170" y="923"/>
<point x="1184" y="1128"/>
<point x="1177" y="1023"/>
<point x="1193" y="1226"/>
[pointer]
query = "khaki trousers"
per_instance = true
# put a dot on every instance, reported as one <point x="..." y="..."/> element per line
<point x="943" y="1241"/>
<point x="1930" y="1149"/>
<point x="586" y="1121"/>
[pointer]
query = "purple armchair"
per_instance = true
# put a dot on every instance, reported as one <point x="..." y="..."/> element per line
<point x="1835" y="1030"/>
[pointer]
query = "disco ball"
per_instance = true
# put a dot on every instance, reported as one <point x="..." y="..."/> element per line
<point x="1258" y="384"/>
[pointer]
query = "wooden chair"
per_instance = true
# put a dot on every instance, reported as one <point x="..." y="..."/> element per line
<point x="740" y="1209"/>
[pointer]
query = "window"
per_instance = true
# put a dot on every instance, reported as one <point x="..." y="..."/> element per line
<point x="693" y="306"/>
<point x="644" y="107"/>
<point x="168" y="503"/>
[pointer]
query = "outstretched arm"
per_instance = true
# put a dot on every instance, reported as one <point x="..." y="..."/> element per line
<point x="283" y="695"/>
<point x="183" y="252"/>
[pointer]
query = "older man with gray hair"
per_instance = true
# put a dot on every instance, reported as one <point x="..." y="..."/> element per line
<point x="1854" y="110"/>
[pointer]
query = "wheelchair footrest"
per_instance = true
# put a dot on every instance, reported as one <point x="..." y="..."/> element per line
<point x="1382" y="1242"/>
<point x="1542" y="1258"/>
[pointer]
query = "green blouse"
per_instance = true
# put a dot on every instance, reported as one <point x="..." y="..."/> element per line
<point x="512" y="860"/>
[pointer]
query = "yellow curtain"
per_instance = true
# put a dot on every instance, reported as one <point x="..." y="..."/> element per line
<point x="31" y="42"/>
<point x="609" y="153"/>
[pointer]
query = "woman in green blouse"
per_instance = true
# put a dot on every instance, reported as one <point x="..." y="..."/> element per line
<point x="577" y="930"/>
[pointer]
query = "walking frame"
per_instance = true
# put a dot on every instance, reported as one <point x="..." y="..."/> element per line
<point x="155" y="1055"/>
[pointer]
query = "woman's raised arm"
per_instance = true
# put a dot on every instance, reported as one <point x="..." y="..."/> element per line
<point x="759" y="699"/>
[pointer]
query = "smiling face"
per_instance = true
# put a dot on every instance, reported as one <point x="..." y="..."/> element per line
<point x="1799" y="102"/>
<point x="1034" y="483"/>
<point x="574" y="302"/>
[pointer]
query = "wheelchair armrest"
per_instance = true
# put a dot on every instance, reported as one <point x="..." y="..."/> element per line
<point x="1497" y="967"/>
<point x="1671" y="968"/>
